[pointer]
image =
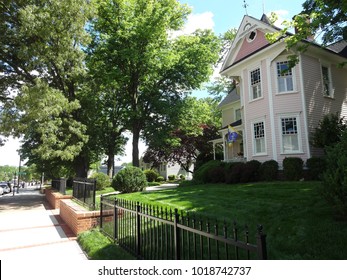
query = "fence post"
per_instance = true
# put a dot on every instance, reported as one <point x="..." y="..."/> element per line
<point x="115" y="220"/>
<point x="62" y="185"/>
<point x="94" y="194"/>
<point x="261" y="243"/>
<point x="138" y="230"/>
<point x="177" y="235"/>
<point x="101" y="204"/>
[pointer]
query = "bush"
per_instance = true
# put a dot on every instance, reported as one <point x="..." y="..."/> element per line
<point x="268" y="170"/>
<point x="151" y="175"/>
<point x="216" y="174"/>
<point x="316" y="167"/>
<point x="201" y="175"/>
<point x="233" y="172"/>
<point x="102" y="180"/>
<point x="335" y="177"/>
<point x="171" y="177"/>
<point x="293" y="168"/>
<point x="129" y="179"/>
<point x="250" y="172"/>
<point x="160" y="179"/>
<point x="182" y="177"/>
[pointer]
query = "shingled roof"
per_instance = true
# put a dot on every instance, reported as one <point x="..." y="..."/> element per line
<point x="231" y="97"/>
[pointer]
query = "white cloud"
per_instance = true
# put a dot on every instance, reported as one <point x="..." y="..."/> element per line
<point x="196" y="21"/>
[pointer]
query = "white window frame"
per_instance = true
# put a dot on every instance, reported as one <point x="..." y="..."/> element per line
<point x="255" y="140"/>
<point x="238" y="114"/>
<point x="257" y="85"/>
<point x="298" y="134"/>
<point x="285" y="77"/>
<point x="330" y="85"/>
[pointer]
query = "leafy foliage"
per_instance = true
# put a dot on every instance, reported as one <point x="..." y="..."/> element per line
<point x="102" y="180"/>
<point x="293" y="168"/>
<point x="335" y="177"/>
<point x="316" y="167"/>
<point x="151" y="175"/>
<point x="319" y="18"/>
<point x="129" y="179"/>
<point x="329" y="131"/>
<point x="268" y="170"/>
<point x="152" y="70"/>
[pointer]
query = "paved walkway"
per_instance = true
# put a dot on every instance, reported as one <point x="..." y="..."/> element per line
<point x="29" y="228"/>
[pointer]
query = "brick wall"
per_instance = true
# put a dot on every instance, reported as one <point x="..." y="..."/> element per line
<point x="53" y="197"/>
<point x="76" y="217"/>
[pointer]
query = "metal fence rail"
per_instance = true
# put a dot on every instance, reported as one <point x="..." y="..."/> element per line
<point x="84" y="190"/>
<point x="59" y="185"/>
<point x="156" y="233"/>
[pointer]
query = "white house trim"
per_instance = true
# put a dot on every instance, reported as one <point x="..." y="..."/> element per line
<point x="303" y="100"/>
<point x="271" y="110"/>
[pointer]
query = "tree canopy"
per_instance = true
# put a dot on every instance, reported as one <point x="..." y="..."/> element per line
<point x="149" y="70"/>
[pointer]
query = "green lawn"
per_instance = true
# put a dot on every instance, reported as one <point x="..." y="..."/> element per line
<point x="299" y="224"/>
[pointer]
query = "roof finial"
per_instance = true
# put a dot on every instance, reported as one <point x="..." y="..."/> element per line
<point x="245" y="5"/>
<point x="263" y="7"/>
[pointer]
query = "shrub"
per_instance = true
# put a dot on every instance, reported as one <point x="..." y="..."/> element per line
<point x="268" y="170"/>
<point x="160" y="179"/>
<point x="250" y="172"/>
<point x="129" y="179"/>
<point x="233" y="172"/>
<point x="201" y="174"/>
<point x="316" y="167"/>
<point x="171" y="177"/>
<point x="293" y="168"/>
<point x="335" y="177"/>
<point x="216" y="174"/>
<point x="102" y="180"/>
<point x="182" y="177"/>
<point x="151" y="175"/>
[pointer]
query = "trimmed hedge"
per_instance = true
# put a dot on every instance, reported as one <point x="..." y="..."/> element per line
<point x="293" y="168"/>
<point x="268" y="170"/>
<point x="129" y="179"/>
<point x="151" y="175"/>
<point x="102" y="181"/>
<point x="201" y="175"/>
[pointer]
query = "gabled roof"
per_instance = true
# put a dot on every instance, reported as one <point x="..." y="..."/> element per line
<point x="248" y="24"/>
<point x="231" y="97"/>
<point x="339" y="47"/>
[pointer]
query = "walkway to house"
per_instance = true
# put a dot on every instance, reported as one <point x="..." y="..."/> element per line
<point x="30" y="229"/>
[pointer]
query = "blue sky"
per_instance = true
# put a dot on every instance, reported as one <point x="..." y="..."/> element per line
<point x="218" y="15"/>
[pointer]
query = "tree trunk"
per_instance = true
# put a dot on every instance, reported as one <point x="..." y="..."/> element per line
<point x="110" y="164"/>
<point x="81" y="166"/>
<point x="136" y="138"/>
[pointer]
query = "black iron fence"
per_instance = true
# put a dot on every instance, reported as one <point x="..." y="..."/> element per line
<point x="155" y="233"/>
<point x="84" y="190"/>
<point x="59" y="185"/>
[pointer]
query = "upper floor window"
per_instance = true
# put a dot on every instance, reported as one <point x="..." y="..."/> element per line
<point x="284" y="77"/>
<point x="259" y="138"/>
<point x="237" y="114"/>
<point x="255" y="84"/>
<point x="290" y="134"/>
<point x="326" y="81"/>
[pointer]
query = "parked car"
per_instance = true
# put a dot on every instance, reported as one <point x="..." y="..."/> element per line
<point x="4" y="188"/>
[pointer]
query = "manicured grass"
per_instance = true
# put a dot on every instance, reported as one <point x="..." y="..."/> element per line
<point x="298" y="222"/>
<point x="99" y="247"/>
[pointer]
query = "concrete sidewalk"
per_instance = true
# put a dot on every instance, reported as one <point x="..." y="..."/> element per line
<point x="29" y="229"/>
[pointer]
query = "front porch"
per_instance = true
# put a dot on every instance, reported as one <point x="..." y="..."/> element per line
<point x="231" y="142"/>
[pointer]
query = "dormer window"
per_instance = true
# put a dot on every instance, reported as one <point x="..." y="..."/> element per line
<point x="251" y="36"/>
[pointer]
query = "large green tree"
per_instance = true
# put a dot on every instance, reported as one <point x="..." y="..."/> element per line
<point x="133" y="43"/>
<point x="41" y="71"/>
<point x="196" y="124"/>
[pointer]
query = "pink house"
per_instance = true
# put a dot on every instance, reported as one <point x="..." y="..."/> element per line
<point x="275" y="112"/>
